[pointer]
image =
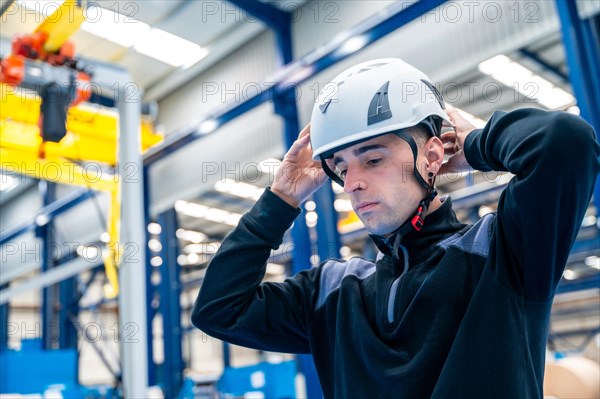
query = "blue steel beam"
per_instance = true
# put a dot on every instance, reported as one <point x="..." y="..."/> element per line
<point x="50" y="211"/>
<point x="565" y="335"/>
<point x="276" y="19"/>
<point x="584" y="283"/>
<point x="271" y="16"/>
<point x="580" y="58"/>
<point x="574" y="333"/>
<point x="586" y="245"/>
<point x="372" y="29"/>
<point x="544" y="64"/>
<point x="87" y="284"/>
<point x="170" y="306"/>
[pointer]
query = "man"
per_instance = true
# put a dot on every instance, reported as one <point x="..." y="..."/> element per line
<point x="448" y="310"/>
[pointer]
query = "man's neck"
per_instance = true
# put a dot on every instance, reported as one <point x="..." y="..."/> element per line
<point x="434" y="205"/>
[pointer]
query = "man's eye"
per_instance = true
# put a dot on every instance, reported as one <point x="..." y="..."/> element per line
<point x="374" y="161"/>
<point x="342" y="173"/>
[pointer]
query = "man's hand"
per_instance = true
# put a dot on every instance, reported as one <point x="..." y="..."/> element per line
<point x="298" y="176"/>
<point x="454" y="143"/>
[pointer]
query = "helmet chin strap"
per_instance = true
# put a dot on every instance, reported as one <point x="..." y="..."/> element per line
<point x="416" y="222"/>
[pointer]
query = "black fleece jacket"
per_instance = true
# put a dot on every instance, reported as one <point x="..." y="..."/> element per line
<point x="460" y="311"/>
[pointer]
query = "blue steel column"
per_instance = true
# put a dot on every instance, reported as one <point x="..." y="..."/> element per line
<point x="69" y="310"/>
<point x="301" y="261"/>
<point x="4" y="309"/>
<point x="592" y="40"/>
<point x="170" y="305"/>
<point x="49" y="294"/>
<point x="285" y="106"/>
<point x="328" y="243"/>
<point x="226" y="355"/>
<point x="69" y="306"/>
<point x="582" y="55"/>
<point x="150" y="289"/>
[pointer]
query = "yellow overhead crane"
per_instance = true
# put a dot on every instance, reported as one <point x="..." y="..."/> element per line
<point x="77" y="149"/>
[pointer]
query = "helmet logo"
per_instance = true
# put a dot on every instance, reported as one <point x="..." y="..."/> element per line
<point x="379" y="109"/>
<point x="436" y="93"/>
<point x="323" y="107"/>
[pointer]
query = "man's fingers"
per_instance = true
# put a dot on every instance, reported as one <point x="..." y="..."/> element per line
<point x="449" y="148"/>
<point x="449" y="137"/>
<point x="297" y="146"/>
<point x="305" y="131"/>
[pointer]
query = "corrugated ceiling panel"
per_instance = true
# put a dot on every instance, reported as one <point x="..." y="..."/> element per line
<point x="447" y="44"/>
<point x="233" y="79"/>
<point x="232" y="151"/>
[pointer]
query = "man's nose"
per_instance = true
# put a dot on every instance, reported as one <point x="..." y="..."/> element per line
<point x="354" y="181"/>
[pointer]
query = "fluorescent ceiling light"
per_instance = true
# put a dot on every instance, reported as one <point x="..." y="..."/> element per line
<point x="44" y="8"/>
<point x="342" y="205"/>
<point x="270" y="165"/>
<point x="155" y="245"/>
<point x="193" y="258"/>
<point x="154" y="228"/>
<point x="589" y="220"/>
<point x="190" y="235"/>
<point x="88" y="252"/>
<point x="113" y="26"/>
<point x="475" y="121"/>
<point x="593" y="261"/>
<point x="156" y="261"/>
<point x="170" y="48"/>
<point x="239" y="189"/>
<point x="275" y="269"/>
<point x="569" y="274"/>
<point x="208" y="126"/>
<point x="353" y="44"/>
<point x="204" y="212"/>
<point x="523" y="80"/>
<point x="7" y="182"/>
<point x="337" y="189"/>
<point x="105" y="237"/>
<point x="345" y="251"/>
<point x="204" y="248"/>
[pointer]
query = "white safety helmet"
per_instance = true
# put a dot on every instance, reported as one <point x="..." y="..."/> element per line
<point x="371" y="99"/>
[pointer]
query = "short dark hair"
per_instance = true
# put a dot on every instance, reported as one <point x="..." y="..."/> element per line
<point x="420" y="134"/>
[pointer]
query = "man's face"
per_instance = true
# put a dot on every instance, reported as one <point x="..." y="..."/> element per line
<point x="378" y="177"/>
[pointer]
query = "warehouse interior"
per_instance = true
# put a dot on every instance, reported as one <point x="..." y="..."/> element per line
<point x="179" y="114"/>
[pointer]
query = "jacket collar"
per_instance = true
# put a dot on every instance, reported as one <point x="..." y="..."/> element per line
<point x="439" y="225"/>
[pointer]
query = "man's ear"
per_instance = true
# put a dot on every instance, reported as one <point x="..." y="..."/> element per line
<point x="433" y="151"/>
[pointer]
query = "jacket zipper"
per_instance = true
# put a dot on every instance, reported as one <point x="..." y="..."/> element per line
<point x="392" y="295"/>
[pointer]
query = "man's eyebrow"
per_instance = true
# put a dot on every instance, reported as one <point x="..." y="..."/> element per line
<point x="359" y="151"/>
